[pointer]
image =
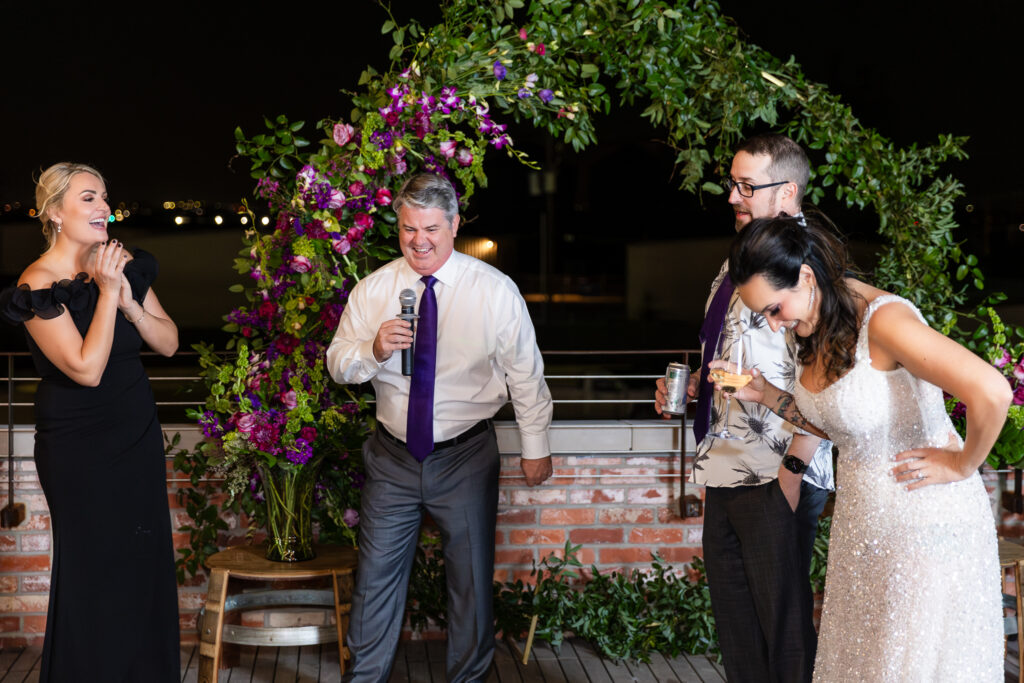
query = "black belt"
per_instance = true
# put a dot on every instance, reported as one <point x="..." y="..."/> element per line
<point x="479" y="428"/>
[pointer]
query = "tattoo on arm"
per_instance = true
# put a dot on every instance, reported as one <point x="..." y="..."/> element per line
<point x="785" y="407"/>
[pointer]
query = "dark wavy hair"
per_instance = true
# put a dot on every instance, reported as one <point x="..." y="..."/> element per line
<point x="775" y="248"/>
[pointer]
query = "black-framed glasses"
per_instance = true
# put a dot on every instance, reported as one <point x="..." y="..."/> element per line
<point x="746" y="189"/>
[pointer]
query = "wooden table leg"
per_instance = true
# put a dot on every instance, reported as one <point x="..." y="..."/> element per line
<point x="342" y="606"/>
<point x="212" y="626"/>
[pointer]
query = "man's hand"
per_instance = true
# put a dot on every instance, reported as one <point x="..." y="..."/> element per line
<point x="790" y="485"/>
<point x="393" y="335"/>
<point x="537" y="470"/>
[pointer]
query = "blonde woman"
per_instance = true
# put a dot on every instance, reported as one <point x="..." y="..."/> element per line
<point x="87" y="306"/>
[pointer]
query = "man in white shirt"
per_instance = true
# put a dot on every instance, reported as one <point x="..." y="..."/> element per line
<point x="436" y="451"/>
<point x="764" y="491"/>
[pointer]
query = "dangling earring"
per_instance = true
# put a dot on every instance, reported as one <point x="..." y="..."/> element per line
<point x="58" y="227"/>
<point x="810" y="301"/>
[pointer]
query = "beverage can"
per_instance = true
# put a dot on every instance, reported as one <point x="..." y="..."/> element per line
<point x="677" y="377"/>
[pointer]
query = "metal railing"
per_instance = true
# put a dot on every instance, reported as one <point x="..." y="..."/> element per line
<point x="603" y="385"/>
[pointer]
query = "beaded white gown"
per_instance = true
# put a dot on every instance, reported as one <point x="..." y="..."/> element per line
<point x="913" y="591"/>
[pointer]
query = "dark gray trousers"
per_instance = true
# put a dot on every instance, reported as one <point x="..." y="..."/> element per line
<point x="458" y="486"/>
<point x="757" y="555"/>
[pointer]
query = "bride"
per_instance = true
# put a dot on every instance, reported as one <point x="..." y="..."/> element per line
<point x="913" y="591"/>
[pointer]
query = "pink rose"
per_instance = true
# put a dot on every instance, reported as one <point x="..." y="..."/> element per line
<point x="336" y="200"/>
<point x="1018" y="395"/>
<point x="356" y="188"/>
<point x="1002" y="360"/>
<point x="350" y="517"/>
<point x="464" y="157"/>
<point x="399" y="165"/>
<point x="363" y="220"/>
<point x="448" y="148"/>
<point x="354" y="234"/>
<point x="288" y="399"/>
<point x="245" y="423"/>
<point x="301" y="264"/>
<point x="540" y="48"/>
<point x="1018" y="370"/>
<point x="343" y="132"/>
<point x="308" y="433"/>
<point x="522" y="34"/>
<point x="342" y="246"/>
<point x="383" y="196"/>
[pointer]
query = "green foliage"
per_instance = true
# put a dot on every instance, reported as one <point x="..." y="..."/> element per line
<point x="206" y="521"/>
<point x="819" y="554"/>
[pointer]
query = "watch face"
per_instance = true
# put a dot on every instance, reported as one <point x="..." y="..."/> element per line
<point x="794" y="464"/>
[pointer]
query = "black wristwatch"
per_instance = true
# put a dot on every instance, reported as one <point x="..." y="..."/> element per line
<point x="794" y="464"/>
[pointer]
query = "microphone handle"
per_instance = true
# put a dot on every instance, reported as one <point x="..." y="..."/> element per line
<point x="407" y="353"/>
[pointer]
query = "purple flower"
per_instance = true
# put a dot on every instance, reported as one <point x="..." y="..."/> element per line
<point x="500" y="71"/>
<point x="300" y="453"/>
<point x="448" y="148"/>
<point x="524" y="93"/>
<point x="501" y="141"/>
<point x="351" y="518"/>
<point x="464" y="157"/>
<point x="399" y="165"/>
<point x="383" y="196"/>
<point x="1018" y="369"/>
<point x="288" y="399"/>
<point x="297" y="224"/>
<point x="546" y="95"/>
<point x="1018" y="395"/>
<point x="343" y="132"/>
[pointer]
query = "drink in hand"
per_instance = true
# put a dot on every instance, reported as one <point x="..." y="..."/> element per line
<point x="730" y="382"/>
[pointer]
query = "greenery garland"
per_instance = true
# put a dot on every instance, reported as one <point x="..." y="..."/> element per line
<point x="553" y="65"/>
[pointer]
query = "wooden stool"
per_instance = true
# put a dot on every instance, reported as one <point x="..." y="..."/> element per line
<point x="1011" y="556"/>
<point x="250" y="563"/>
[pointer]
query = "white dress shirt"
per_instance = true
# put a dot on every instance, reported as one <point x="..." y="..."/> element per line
<point x="486" y="350"/>
<point x="764" y="437"/>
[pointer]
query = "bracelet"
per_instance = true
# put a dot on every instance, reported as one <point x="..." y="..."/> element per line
<point x="139" y="320"/>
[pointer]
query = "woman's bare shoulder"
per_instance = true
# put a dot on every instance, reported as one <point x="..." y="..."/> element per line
<point x="40" y="275"/>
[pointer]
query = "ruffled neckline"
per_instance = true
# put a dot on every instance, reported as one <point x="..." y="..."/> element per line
<point x="19" y="303"/>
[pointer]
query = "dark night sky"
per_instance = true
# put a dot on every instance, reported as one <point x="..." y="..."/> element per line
<point x="152" y="100"/>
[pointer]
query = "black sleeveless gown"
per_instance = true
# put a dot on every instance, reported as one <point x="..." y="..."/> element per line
<point x="113" y="610"/>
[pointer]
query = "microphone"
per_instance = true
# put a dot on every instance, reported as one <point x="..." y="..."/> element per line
<point x="407" y="299"/>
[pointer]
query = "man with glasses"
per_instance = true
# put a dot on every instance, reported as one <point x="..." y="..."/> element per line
<point x="763" y="491"/>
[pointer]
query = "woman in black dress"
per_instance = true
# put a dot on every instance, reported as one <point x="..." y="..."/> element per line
<point x="87" y="306"/>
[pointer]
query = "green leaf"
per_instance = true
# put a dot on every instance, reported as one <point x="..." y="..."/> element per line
<point x="712" y="188"/>
<point x="236" y="288"/>
<point x="386" y="28"/>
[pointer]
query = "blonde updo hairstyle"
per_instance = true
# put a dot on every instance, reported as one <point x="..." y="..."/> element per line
<point x="50" y="190"/>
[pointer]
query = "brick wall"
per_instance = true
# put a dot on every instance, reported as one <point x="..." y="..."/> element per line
<point x="615" y="491"/>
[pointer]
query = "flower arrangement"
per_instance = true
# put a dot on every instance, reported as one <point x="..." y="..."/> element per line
<point x="285" y="438"/>
<point x="1008" y="358"/>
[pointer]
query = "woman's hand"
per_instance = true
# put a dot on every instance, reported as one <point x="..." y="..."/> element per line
<point x="752" y="392"/>
<point x="108" y="267"/>
<point x="125" y="302"/>
<point x="926" y="466"/>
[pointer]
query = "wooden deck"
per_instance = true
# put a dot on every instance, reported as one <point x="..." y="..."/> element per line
<point x="423" y="662"/>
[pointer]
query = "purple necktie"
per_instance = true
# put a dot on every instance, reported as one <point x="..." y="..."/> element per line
<point x="710" y="331"/>
<point x="419" y="426"/>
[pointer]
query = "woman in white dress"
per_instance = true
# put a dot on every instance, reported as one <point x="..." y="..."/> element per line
<point x="913" y="591"/>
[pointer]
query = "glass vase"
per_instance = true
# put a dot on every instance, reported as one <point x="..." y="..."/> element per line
<point x="289" y="496"/>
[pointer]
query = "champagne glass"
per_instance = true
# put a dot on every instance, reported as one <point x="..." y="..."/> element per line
<point x="730" y="379"/>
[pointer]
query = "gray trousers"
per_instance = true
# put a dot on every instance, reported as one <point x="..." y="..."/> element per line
<point x="458" y="487"/>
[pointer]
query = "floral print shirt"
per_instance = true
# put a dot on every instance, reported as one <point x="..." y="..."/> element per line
<point x="764" y="437"/>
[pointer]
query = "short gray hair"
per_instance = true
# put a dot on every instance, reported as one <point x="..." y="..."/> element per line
<point x="428" y="191"/>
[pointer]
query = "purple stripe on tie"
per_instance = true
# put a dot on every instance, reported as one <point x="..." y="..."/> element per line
<point x="419" y="430"/>
<point x="710" y="331"/>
